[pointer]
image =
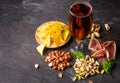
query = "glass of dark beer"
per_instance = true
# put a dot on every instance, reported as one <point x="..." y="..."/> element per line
<point x="80" y="19"/>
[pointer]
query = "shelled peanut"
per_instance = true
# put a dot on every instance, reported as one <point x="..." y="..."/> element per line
<point x="86" y="67"/>
<point x="58" y="59"/>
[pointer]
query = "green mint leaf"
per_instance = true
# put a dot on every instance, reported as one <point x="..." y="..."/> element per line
<point x="78" y="54"/>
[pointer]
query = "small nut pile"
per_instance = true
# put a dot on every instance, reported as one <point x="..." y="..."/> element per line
<point x="86" y="67"/>
<point x="95" y="32"/>
<point x="58" y="59"/>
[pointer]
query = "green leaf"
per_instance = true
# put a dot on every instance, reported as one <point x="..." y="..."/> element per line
<point x="107" y="66"/>
<point x="78" y="54"/>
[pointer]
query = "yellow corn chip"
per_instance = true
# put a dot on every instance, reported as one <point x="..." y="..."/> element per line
<point x="40" y="49"/>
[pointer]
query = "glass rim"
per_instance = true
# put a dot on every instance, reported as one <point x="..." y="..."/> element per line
<point x="82" y="2"/>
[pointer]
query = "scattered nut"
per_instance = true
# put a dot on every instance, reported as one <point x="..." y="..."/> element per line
<point x="97" y="71"/>
<point x="89" y="35"/>
<point x="92" y="35"/>
<point x="97" y="63"/>
<point x="97" y="27"/>
<point x="93" y="28"/>
<point x="107" y="27"/>
<point x="74" y="78"/>
<point x="96" y="34"/>
<point x="50" y="64"/>
<point x="102" y="71"/>
<point x="94" y="31"/>
<point x="87" y="68"/>
<point x="36" y="66"/>
<point x="87" y="57"/>
<point x="90" y="81"/>
<point x="86" y="75"/>
<point x="60" y="75"/>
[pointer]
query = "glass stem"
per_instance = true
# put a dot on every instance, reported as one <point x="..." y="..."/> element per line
<point x="78" y="41"/>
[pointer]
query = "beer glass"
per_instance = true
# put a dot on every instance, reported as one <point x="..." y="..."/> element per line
<point x="80" y="20"/>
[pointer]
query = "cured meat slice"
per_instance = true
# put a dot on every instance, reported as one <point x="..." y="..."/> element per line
<point x="100" y="60"/>
<point x="110" y="46"/>
<point x="100" y="53"/>
<point x="106" y="43"/>
<point x="94" y="45"/>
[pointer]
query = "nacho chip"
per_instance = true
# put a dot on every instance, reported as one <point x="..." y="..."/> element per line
<point x="40" y="49"/>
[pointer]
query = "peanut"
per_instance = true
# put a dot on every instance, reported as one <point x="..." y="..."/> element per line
<point x="60" y="75"/>
<point x="58" y="59"/>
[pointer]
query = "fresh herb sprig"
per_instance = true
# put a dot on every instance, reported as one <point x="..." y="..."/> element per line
<point x="107" y="66"/>
<point x="78" y="54"/>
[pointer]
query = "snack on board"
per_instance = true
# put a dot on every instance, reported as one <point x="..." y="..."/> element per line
<point x="52" y="34"/>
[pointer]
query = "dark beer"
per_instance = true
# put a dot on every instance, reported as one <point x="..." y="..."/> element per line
<point x="80" y="20"/>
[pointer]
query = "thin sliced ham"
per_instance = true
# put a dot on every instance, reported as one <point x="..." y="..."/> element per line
<point x="105" y="50"/>
<point x="94" y="45"/>
<point x="111" y="48"/>
<point x="100" y="53"/>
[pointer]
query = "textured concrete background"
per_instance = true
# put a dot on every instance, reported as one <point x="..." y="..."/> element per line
<point x="18" y="21"/>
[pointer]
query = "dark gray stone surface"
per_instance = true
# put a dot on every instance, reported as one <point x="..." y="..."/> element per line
<point x="18" y="21"/>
